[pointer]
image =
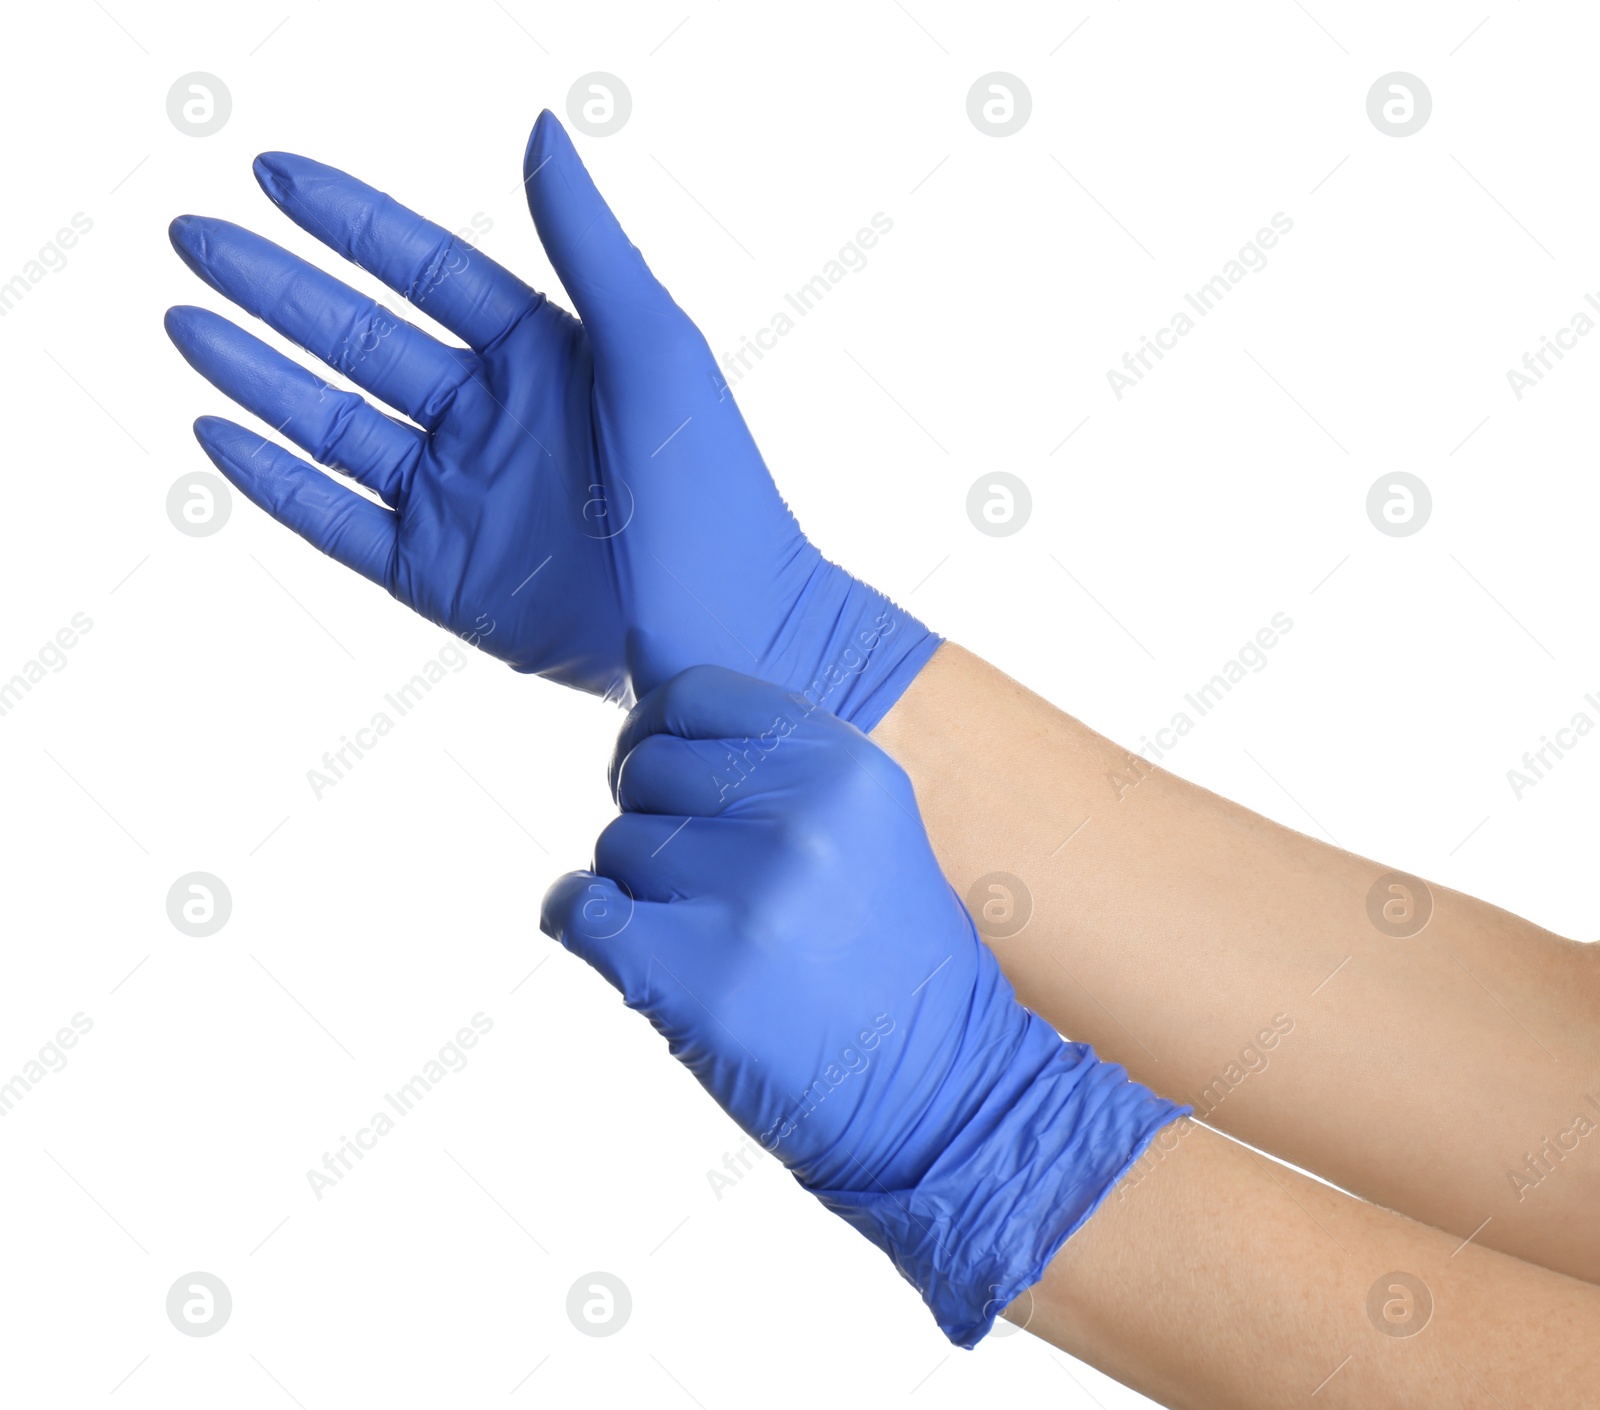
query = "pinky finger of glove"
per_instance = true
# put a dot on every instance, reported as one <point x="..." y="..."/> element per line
<point x="347" y="527"/>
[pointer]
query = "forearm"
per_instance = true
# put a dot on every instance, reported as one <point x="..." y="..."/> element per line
<point x="1174" y="927"/>
<point x="1215" y="1278"/>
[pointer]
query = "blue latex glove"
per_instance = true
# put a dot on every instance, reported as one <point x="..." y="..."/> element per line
<point x="770" y="900"/>
<point x="582" y="499"/>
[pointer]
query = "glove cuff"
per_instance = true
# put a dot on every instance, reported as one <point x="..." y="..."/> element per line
<point x="871" y="649"/>
<point x="1046" y="1147"/>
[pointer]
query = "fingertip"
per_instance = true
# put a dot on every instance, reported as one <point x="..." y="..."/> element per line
<point x="217" y="435"/>
<point x="319" y="198"/>
<point x="545" y="126"/>
<point x="183" y="232"/>
<point x="548" y="142"/>
<point x="584" y="906"/>
<point x="191" y="237"/>
<point x="272" y="172"/>
<point x="189" y="318"/>
<point x="552" y="909"/>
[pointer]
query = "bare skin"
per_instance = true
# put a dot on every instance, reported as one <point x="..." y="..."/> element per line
<point x="1197" y="943"/>
<point x="1214" y="1279"/>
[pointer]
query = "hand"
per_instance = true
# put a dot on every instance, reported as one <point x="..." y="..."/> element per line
<point x="589" y="488"/>
<point x="770" y="900"/>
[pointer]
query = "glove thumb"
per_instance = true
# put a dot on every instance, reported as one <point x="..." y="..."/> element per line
<point x="610" y="285"/>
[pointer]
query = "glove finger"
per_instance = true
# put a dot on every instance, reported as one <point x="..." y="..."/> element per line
<point x="658" y="961"/>
<point x="712" y="702"/>
<point x="414" y="373"/>
<point x="440" y="273"/>
<point x="690" y="777"/>
<point x="608" y="928"/>
<point x="659" y="857"/>
<point x="338" y="428"/>
<point x="611" y="287"/>
<point x="349" y="529"/>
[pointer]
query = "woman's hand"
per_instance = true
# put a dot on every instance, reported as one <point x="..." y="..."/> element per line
<point x="588" y="488"/>
<point x="770" y="900"/>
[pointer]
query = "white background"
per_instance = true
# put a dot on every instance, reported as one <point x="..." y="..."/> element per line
<point x="1169" y="528"/>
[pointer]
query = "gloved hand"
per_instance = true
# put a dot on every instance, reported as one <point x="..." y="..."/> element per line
<point x="770" y="901"/>
<point x="588" y="489"/>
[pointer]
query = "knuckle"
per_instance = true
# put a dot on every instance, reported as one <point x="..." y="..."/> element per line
<point x="446" y="258"/>
<point x="336" y="428"/>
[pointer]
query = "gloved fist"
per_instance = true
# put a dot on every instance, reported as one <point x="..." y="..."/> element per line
<point x="582" y="499"/>
<point x="769" y="899"/>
